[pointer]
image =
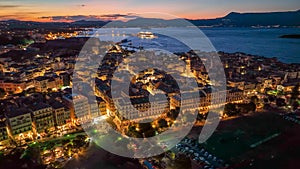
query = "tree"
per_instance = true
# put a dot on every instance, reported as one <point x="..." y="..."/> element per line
<point x="149" y="133"/>
<point x="143" y="127"/>
<point x="271" y="98"/>
<point x="246" y="108"/>
<point x="49" y="90"/>
<point x="295" y="93"/>
<point x="295" y="105"/>
<point x="30" y="90"/>
<point x="173" y="113"/>
<point x="2" y="93"/>
<point x="230" y="109"/>
<point x="65" y="141"/>
<point x="78" y="143"/>
<point x="162" y="123"/>
<point x="141" y="130"/>
<point x="10" y="92"/>
<point x="251" y="106"/>
<point x="254" y="99"/>
<point x="280" y="102"/>
<point x="33" y="152"/>
<point x="134" y="133"/>
<point x="201" y="116"/>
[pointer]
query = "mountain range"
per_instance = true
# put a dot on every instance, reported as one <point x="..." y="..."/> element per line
<point x="290" y="18"/>
<point x="233" y="19"/>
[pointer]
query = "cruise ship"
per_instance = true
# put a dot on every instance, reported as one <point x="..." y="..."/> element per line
<point x="146" y="35"/>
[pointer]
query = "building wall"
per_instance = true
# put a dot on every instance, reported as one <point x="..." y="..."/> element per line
<point x="61" y="115"/>
<point x="79" y="108"/>
<point x="94" y="110"/>
<point x="43" y="119"/>
<point x="3" y="133"/>
<point x="20" y="124"/>
<point x="146" y="110"/>
<point x="12" y="87"/>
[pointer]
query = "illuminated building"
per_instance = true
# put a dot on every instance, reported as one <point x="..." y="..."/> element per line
<point x="145" y="109"/>
<point x="94" y="109"/>
<point x="19" y="122"/>
<point x="60" y="113"/>
<point x="3" y="128"/>
<point x="42" y="117"/>
<point x="12" y="86"/>
<point x="79" y="107"/>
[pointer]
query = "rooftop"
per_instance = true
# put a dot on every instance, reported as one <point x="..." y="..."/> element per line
<point x="38" y="106"/>
<point x="56" y="105"/>
<point x="14" y="112"/>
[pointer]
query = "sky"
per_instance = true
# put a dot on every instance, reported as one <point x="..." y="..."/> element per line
<point x="70" y="10"/>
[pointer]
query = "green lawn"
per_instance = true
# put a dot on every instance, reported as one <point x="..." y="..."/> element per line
<point x="234" y="137"/>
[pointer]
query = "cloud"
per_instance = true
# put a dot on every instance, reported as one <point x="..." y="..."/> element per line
<point x="72" y="18"/>
<point x="28" y="13"/>
<point x="7" y="17"/>
<point x="81" y="5"/>
<point x="113" y="15"/>
<point x="9" y="6"/>
<point x="105" y="17"/>
<point x="20" y="15"/>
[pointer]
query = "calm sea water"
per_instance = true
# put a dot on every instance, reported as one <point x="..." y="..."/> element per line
<point x="255" y="41"/>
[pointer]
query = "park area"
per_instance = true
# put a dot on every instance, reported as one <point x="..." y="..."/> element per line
<point x="249" y="140"/>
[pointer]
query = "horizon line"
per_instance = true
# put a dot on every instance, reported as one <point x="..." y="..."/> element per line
<point x="111" y="20"/>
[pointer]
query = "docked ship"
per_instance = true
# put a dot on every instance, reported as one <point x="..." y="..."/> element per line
<point x="146" y="35"/>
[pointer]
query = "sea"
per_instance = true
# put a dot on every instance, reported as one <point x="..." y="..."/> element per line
<point x="255" y="41"/>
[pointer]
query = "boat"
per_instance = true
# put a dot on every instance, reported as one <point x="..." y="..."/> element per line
<point x="146" y="35"/>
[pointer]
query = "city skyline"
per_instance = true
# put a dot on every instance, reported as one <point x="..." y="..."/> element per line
<point x="68" y="11"/>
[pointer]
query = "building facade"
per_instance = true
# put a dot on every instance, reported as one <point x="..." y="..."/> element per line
<point x="60" y="114"/>
<point x="3" y="129"/>
<point x="42" y="117"/>
<point x="19" y="123"/>
<point x="79" y="108"/>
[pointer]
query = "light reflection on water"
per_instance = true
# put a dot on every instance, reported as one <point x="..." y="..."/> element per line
<point x="255" y="41"/>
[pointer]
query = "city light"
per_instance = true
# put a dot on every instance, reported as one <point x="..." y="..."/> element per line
<point x="76" y="88"/>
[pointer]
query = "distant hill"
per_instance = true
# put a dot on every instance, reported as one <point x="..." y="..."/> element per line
<point x="291" y="18"/>
<point x="88" y="23"/>
<point x="233" y="19"/>
<point x="16" y="24"/>
<point x="148" y="22"/>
